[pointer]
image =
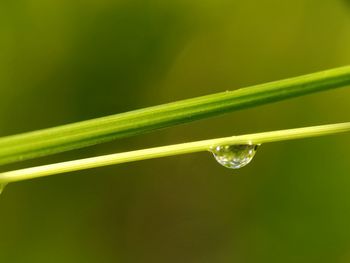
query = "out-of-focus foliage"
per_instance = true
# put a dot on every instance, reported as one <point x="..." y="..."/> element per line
<point x="64" y="61"/>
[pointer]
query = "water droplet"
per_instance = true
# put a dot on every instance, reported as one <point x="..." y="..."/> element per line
<point x="234" y="156"/>
<point x="2" y="186"/>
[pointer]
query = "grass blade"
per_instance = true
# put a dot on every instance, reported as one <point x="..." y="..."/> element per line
<point x="81" y="134"/>
<point x="171" y="150"/>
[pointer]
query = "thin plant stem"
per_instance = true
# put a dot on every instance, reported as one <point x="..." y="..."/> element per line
<point x="170" y="150"/>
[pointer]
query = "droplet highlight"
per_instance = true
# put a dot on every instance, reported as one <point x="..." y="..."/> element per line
<point x="234" y="156"/>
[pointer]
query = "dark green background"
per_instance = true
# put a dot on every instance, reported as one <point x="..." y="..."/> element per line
<point x="63" y="61"/>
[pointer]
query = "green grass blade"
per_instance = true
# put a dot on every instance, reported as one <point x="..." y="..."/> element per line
<point x="77" y="135"/>
<point x="171" y="150"/>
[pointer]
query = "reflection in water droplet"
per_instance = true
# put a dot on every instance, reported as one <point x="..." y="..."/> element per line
<point x="234" y="156"/>
<point x="2" y="186"/>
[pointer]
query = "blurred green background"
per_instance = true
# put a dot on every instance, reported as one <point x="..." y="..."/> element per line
<point x="63" y="61"/>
